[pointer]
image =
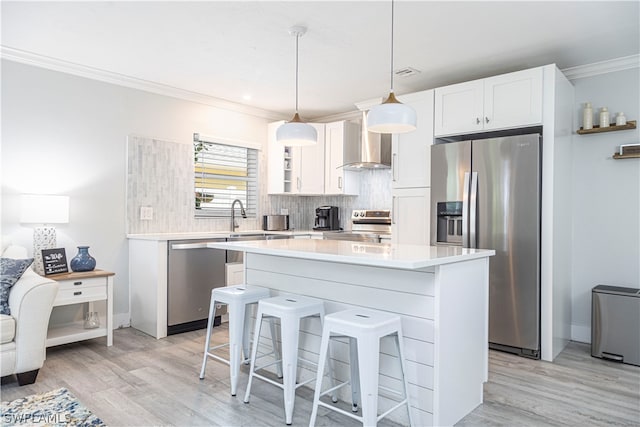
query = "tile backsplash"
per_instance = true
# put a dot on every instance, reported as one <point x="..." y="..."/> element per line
<point x="160" y="175"/>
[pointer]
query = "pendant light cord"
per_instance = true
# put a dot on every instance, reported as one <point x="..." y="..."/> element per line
<point x="392" y="13"/>
<point x="297" y="39"/>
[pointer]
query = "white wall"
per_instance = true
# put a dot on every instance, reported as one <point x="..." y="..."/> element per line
<point x="63" y="134"/>
<point x="606" y="197"/>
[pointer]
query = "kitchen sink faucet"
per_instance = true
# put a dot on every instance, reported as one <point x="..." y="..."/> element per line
<point x="233" y="214"/>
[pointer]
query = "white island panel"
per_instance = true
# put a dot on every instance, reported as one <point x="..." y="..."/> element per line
<point x="441" y="295"/>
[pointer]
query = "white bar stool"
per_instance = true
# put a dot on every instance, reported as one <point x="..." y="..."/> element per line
<point x="366" y="328"/>
<point x="290" y="309"/>
<point x="236" y="298"/>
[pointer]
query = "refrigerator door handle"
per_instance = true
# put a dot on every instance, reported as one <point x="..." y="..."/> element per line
<point x="465" y="211"/>
<point x="473" y="208"/>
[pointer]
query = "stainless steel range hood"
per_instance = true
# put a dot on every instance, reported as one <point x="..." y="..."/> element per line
<point x="372" y="151"/>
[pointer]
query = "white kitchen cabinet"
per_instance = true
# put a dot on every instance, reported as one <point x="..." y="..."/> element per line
<point x="411" y="152"/>
<point x="500" y="102"/>
<point x="338" y="180"/>
<point x="295" y="170"/>
<point x="410" y="216"/>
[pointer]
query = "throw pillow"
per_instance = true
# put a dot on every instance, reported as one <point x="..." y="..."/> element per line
<point x="10" y="272"/>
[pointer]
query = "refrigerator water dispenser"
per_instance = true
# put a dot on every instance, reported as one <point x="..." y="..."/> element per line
<point x="449" y="223"/>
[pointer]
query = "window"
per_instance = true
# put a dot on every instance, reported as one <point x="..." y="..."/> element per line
<point x="224" y="173"/>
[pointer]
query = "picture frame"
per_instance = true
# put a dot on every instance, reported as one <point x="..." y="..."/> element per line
<point x="54" y="261"/>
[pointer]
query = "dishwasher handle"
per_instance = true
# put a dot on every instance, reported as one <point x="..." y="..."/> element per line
<point x="199" y="245"/>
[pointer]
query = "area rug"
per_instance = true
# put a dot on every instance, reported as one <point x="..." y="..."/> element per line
<point x="55" y="408"/>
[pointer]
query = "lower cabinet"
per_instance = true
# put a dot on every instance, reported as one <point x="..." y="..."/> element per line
<point x="410" y="224"/>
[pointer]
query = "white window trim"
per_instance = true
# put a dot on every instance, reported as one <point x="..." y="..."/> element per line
<point x="227" y="141"/>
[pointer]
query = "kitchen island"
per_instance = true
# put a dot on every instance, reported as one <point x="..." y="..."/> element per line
<point x="440" y="292"/>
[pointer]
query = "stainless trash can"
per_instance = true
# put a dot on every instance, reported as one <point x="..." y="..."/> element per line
<point x="615" y="324"/>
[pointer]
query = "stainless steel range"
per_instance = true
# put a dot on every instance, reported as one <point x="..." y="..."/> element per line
<point x="366" y="226"/>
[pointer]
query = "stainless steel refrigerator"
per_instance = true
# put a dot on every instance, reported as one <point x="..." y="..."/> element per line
<point x="485" y="194"/>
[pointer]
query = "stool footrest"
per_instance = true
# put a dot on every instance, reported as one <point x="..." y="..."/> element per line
<point x="306" y="382"/>
<point x="404" y="402"/>
<point x="342" y="411"/>
<point x="215" y="347"/>
<point x="269" y="380"/>
<point x="265" y="366"/>
<point x="218" y="358"/>
<point x="324" y="393"/>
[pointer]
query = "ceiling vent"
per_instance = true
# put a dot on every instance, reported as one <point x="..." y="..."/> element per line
<point x="407" y="72"/>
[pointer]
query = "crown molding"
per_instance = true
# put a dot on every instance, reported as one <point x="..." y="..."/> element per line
<point x="54" y="64"/>
<point x="29" y="58"/>
<point x="603" y="67"/>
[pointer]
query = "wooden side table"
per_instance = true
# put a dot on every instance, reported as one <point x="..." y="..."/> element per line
<point x="82" y="288"/>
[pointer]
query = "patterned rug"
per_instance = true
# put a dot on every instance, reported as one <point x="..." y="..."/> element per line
<point x="55" y="408"/>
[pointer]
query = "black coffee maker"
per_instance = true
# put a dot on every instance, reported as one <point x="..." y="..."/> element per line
<point x="327" y="218"/>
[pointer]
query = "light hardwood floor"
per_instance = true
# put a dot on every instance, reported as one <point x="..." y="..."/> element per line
<point x="144" y="381"/>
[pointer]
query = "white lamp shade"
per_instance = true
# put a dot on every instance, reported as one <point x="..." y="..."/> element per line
<point x="391" y="117"/>
<point x="296" y="134"/>
<point x="44" y="209"/>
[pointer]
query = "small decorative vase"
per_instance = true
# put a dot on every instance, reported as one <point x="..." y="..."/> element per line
<point x="83" y="261"/>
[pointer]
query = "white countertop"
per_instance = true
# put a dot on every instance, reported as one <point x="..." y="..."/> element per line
<point x="215" y="234"/>
<point x="372" y="254"/>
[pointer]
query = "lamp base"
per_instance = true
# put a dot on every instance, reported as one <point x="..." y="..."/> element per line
<point x="43" y="238"/>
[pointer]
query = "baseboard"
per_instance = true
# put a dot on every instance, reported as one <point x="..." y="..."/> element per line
<point x="581" y="333"/>
<point x="121" y="320"/>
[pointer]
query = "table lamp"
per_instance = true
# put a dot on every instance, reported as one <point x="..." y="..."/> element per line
<point x="43" y="209"/>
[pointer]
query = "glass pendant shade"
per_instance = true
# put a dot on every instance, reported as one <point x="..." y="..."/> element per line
<point x="391" y="116"/>
<point x="296" y="133"/>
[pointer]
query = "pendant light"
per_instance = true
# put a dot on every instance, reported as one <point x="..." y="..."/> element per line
<point x="391" y="116"/>
<point x="295" y="132"/>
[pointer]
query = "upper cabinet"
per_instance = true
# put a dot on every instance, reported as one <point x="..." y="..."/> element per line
<point x="338" y="180"/>
<point x="501" y="102"/>
<point x="295" y="170"/>
<point x="308" y="165"/>
<point x="411" y="152"/>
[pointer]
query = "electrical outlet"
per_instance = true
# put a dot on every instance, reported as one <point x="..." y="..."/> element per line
<point x="146" y="213"/>
<point x="284" y="211"/>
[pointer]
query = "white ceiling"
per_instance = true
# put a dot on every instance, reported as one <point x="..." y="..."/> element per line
<point x="229" y="49"/>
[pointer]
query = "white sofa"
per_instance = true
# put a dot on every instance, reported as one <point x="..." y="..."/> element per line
<point x="24" y="332"/>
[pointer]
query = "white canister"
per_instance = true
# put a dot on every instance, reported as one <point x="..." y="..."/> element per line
<point x="587" y="116"/>
<point x="604" y="117"/>
<point x="621" y="120"/>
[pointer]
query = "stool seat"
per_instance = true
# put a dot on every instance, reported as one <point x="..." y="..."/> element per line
<point x="236" y="298"/>
<point x="290" y="309"/>
<point x="241" y="293"/>
<point x="361" y="321"/>
<point x="364" y="328"/>
<point x="296" y="305"/>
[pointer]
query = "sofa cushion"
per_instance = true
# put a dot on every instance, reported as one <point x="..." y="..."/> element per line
<point x="7" y="328"/>
<point x="10" y="272"/>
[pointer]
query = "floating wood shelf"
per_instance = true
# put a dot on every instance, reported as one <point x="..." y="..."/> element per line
<point x="618" y="156"/>
<point x="631" y="124"/>
<point x="628" y="151"/>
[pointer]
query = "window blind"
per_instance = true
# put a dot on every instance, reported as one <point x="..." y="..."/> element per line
<point x="224" y="173"/>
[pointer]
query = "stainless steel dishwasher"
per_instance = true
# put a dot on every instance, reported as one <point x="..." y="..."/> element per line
<point x="193" y="270"/>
